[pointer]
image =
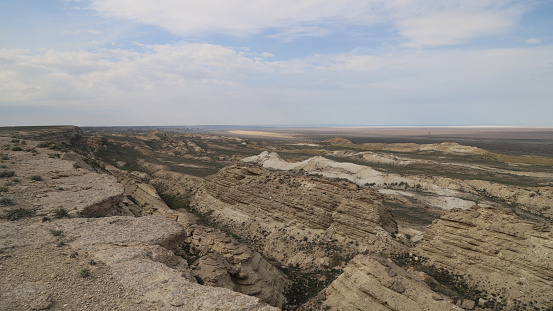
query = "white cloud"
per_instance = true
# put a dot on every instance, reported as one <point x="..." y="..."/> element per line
<point x="453" y="27"/>
<point x="210" y="84"/>
<point x="237" y="17"/>
<point x="533" y="41"/>
<point x="53" y="77"/>
<point x="423" y="22"/>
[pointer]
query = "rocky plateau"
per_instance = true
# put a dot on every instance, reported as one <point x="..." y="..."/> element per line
<point x="117" y="219"/>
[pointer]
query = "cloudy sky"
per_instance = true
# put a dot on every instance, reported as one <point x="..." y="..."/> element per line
<point x="277" y="62"/>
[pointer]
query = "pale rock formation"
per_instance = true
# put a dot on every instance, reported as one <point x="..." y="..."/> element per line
<point x="223" y="261"/>
<point x="227" y="263"/>
<point x="128" y="252"/>
<point x="502" y="253"/>
<point x="144" y="194"/>
<point x="372" y="157"/>
<point x="77" y="190"/>
<point x="297" y="220"/>
<point x="441" y="192"/>
<point x="446" y="147"/>
<point x="372" y="283"/>
<point x="137" y="249"/>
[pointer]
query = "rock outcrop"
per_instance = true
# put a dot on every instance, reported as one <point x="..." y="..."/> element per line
<point x="46" y="183"/>
<point x="225" y="262"/>
<point x="60" y="134"/>
<point x="441" y="192"/>
<point x="502" y="253"/>
<point x="53" y="256"/>
<point x="372" y="283"/>
<point x="219" y="260"/>
<point x="133" y="254"/>
<point x="143" y="194"/>
<point x="446" y="147"/>
<point x="297" y="219"/>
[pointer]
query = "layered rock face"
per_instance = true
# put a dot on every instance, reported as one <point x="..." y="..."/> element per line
<point x="123" y="263"/>
<point x="224" y="262"/>
<point x="502" y="253"/>
<point x="148" y="267"/>
<point x="372" y="283"/>
<point x="295" y="219"/>
<point x="442" y="192"/>
<point x="142" y="193"/>
<point x="446" y="147"/>
<point x="131" y="256"/>
<point x="218" y="259"/>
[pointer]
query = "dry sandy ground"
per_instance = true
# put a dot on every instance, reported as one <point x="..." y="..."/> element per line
<point x="265" y="134"/>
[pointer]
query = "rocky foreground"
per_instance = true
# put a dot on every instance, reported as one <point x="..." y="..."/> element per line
<point x="79" y="234"/>
<point x="53" y="256"/>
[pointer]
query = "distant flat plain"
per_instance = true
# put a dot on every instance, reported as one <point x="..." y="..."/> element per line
<point x="536" y="141"/>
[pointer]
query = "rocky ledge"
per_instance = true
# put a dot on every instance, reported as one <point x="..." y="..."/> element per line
<point x="509" y="257"/>
<point x="370" y="282"/>
<point x="301" y="220"/>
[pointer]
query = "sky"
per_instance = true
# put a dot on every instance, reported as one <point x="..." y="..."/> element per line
<point x="269" y="62"/>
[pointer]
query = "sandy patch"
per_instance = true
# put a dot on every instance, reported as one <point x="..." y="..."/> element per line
<point x="265" y="134"/>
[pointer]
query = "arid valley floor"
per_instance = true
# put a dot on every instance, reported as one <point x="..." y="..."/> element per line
<point x="237" y="218"/>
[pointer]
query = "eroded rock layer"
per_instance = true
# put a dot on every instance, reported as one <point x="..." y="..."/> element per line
<point x="502" y="253"/>
<point x="373" y="283"/>
<point x="225" y="262"/>
<point x="46" y="183"/>
<point x="442" y="192"/>
<point x="130" y="255"/>
<point x="296" y="216"/>
<point x="219" y="260"/>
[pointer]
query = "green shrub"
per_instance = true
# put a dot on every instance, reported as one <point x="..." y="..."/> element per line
<point x="36" y="178"/>
<point x="15" y="140"/>
<point x="84" y="273"/>
<point x="17" y="149"/>
<point x="60" y="213"/>
<point x="18" y="213"/>
<point x="56" y="232"/>
<point x="7" y="174"/>
<point x="4" y="189"/>
<point x="45" y="144"/>
<point x="16" y="180"/>
<point x="6" y="202"/>
<point x="440" y="279"/>
<point x="52" y="145"/>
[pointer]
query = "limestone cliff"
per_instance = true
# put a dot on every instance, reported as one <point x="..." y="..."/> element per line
<point x="372" y="283"/>
<point x="502" y="253"/>
<point x="53" y="256"/>
<point x="130" y="256"/>
<point x="218" y="259"/>
<point x="442" y="192"/>
<point x="297" y="219"/>
<point x="225" y="262"/>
